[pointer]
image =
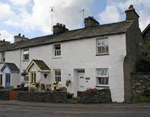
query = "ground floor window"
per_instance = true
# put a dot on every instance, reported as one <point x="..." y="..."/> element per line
<point x="102" y="76"/>
<point x="1" y="82"/>
<point x="26" y="78"/>
<point x="57" y="75"/>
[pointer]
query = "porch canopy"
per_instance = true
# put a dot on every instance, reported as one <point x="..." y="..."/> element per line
<point x="40" y="64"/>
<point x="11" y="66"/>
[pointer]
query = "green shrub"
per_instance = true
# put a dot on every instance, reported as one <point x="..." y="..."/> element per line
<point x="32" y="89"/>
<point x="47" y="89"/>
<point x="141" y="99"/>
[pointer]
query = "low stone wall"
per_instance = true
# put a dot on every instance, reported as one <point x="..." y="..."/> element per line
<point x="4" y="94"/>
<point x="140" y="82"/>
<point x="56" y="97"/>
<point x="99" y="96"/>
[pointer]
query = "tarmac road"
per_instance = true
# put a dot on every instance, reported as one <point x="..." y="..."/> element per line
<point x="27" y="111"/>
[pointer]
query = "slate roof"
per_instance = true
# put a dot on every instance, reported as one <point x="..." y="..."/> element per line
<point x="101" y="30"/>
<point x="144" y="31"/>
<point x="12" y="67"/>
<point x="41" y="64"/>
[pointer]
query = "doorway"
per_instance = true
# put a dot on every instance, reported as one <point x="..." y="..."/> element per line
<point x="32" y="79"/>
<point x="81" y="79"/>
<point x="7" y="80"/>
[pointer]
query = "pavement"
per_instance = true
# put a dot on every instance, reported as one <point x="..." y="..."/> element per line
<point x="144" y="105"/>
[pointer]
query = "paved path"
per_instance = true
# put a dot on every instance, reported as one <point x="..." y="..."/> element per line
<point x="60" y="105"/>
<point x="27" y="111"/>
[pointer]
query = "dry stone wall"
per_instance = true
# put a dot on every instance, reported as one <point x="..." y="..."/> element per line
<point x="56" y="97"/>
<point x="139" y="82"/>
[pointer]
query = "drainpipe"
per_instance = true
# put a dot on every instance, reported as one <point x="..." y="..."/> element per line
<point x="20" y="66"/>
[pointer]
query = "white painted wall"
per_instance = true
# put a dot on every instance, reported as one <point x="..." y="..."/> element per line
<point x="15" y="80"/>
<point x="81" y="54"/>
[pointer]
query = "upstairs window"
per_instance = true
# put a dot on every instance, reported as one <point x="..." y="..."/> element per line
<point x="57" y="75"/>
<point x="102" y="76"/>
<point x="3" y="56"/>
<point x="57" y="50"/>
<point x="102" y="46"/>
<point x="26" y="54"/>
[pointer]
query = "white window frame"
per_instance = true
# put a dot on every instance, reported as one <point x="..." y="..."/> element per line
<point x="57" y="52"/>
<point x="3" y="56"/>
<point x="57" y="76"/>
<point x="102" y="46"/>
<point x="102" y="77"/>
<point x="25" y="52"/>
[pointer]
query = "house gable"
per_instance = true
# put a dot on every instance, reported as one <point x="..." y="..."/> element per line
<point x="11" y="66"/>
<point x="40" y="65"/>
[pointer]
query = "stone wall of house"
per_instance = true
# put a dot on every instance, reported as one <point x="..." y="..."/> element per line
<point x="99" y="96"/>
<point x="140" y="82"/>
<point x="4" y="94"/>
<point x="56" y="97"/>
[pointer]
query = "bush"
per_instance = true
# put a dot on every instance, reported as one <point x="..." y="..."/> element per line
<point x="141" y="99"/>
<point x="1" y="87"/>
<point x="32" y="89"/>
<point x="144" y="98"/>
<point x="47" y="89"/>
<point x="90" y="90"/>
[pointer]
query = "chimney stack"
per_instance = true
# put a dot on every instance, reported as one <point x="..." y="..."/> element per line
<point x="132" y="15"/>
<point x="3" y="42"/>
<point x="90" y="21"/>
<point x="19" y="38"/>
<point x="59" y="28"/>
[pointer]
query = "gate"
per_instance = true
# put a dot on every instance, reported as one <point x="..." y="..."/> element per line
<point x="13" y="95"/>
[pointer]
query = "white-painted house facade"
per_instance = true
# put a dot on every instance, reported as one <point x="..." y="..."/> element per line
<point x="97" y="56"/>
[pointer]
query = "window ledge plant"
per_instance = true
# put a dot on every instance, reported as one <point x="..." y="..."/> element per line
<point x="68" y="82"/>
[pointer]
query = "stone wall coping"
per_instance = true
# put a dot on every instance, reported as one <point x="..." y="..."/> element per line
<point x="140" y="73"/>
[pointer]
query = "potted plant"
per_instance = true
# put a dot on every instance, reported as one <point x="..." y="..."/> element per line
<point x="68" y="82"/>
<point x="70" y="95"/>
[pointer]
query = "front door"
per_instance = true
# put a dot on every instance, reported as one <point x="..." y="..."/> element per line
<point x="1" y="79"/>
<point x="81" y="86"/>
<point x="7" y="81"/>
<point x="32" y="79"/>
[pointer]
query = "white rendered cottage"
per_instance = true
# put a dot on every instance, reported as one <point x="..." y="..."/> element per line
<point x="96" y="56"/>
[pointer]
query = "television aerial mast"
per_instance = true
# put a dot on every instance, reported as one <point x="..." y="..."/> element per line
<point x="83" y="15"/>
<point x="52" y="11"/>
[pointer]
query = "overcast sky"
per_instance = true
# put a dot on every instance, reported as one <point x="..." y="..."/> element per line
<point x="32" y="18"/>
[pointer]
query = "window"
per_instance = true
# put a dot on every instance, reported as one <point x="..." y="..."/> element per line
<point x="102" y="76"/>
<point x="57" y="50"/>
<point x="26" y="78"/>
<point x="58" y="75"/>
<point x="102" y="46"/>
<point x="3" y="56"/>
<point x="26" y="54"/>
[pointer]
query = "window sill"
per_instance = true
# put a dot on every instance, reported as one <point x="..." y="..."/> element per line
<point x="25" y="61"/>
<point x="57" y="57"/>
<point x="102" y="86"/>
<point x="101" y="54"/>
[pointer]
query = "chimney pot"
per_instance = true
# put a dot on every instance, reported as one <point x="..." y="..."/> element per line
<point x="61" y="25"/>
<point x="64" y="26"/>
<point x="23" y="35"/>
<point x="57" y="24"/>
<point x="19" y="34"/>
<point x="3" y="40"/>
